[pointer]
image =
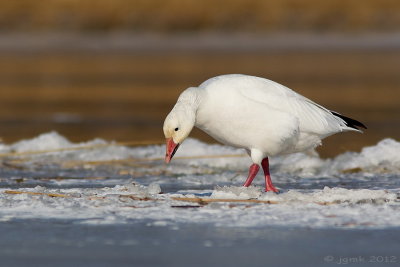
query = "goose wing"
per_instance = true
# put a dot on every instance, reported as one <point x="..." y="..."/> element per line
<point x="313" y="118"/>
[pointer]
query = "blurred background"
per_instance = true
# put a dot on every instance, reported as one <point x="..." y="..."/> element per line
<point x="114" y="68"/>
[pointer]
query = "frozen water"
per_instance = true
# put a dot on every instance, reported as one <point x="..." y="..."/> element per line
<point x="125" y="185"/>
<point x="123" y="204"/>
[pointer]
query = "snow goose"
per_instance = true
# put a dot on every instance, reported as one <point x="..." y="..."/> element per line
<point x="259" y="115"/>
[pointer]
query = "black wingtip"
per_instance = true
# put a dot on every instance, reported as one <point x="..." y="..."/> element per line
<point x="349" y="121"/>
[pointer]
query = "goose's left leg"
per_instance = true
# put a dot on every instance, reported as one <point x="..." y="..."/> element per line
<point x="268" y="183"/>
<point x="253" y="170"/>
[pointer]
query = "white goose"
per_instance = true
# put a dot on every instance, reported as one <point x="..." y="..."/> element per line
<point x="261" y="116"/>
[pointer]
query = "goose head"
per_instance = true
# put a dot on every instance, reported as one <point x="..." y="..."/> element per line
<point x="177" y="127"/>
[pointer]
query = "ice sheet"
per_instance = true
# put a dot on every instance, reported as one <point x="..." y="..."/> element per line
<point x="353" y="190"/>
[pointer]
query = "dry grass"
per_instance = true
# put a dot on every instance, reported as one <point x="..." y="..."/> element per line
<point x="13" y="192"/>
<point x="204" y="15"/>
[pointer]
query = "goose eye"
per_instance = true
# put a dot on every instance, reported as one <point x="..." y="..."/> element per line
<point x="176" y="129"/>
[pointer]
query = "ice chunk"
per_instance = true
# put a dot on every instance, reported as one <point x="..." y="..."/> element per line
<point x="381" y="158"/>
<point x="154" y="189"/>
<point x="46" y="141"/>
<point x="236" y="192"/>
<point x="137" y="189"/>
<point x="333" y="195"/>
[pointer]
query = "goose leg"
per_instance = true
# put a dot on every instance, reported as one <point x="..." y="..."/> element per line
<point x="268" y="183"/>
<point x="253" y="170"/>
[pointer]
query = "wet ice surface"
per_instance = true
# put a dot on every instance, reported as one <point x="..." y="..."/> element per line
<point x="113" y="198"/>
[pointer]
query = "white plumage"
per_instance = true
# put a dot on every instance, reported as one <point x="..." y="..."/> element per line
<point x="257" y="114"/>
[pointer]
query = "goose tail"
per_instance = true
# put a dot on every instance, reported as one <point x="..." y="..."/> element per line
<point x="351" y="124"/>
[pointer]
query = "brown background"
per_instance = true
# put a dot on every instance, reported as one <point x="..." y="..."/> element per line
<point x="113" y="69"/>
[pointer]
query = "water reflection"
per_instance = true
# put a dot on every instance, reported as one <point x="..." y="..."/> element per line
<point x="125" y="96"/>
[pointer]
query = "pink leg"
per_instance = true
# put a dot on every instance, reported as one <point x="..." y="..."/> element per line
<point x="268" y="183"/>
<point x="253" y="170"/>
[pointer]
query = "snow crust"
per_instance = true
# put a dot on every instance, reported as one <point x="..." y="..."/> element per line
<point x="352" y="190"/>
